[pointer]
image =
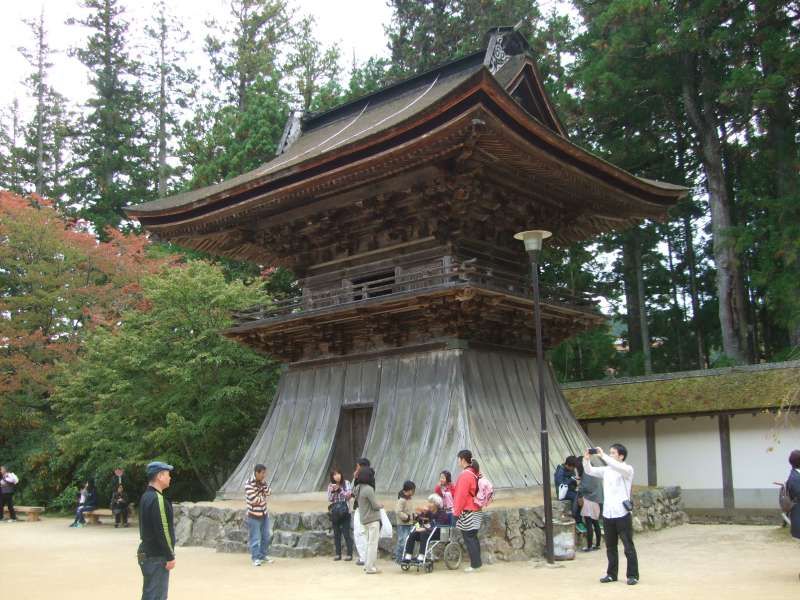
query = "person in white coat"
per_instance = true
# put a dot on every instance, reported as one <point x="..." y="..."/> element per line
<point x="359" y="535"/>
<point x="617" y="478"/>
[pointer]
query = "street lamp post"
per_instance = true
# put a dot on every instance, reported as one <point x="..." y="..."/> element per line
<point x="533" y="245"/>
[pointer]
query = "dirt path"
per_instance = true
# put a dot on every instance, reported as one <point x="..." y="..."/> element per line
<point x="48" y="560"/>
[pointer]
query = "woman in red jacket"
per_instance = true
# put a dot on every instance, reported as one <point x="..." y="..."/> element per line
<point x="466" y="511"/>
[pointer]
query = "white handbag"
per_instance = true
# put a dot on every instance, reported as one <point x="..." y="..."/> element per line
<point x="386" y="525"/>
<point x="562" y="491"/>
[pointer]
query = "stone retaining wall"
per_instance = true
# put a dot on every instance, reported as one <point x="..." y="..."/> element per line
<point x="507" y="533"/>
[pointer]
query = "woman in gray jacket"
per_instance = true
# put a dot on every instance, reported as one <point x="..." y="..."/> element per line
<point x="590" y="495"/>
<point x="369" y="512"/>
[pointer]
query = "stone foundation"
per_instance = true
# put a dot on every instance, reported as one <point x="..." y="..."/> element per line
<point x="507" y="533"/>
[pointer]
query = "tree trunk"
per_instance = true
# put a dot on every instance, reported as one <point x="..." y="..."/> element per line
<point x="15" y="177"/>
<point x="162" y="113"/>
<point x="631" y="293"/>
<point x="642" y="308"/>
<point x="691" y="263"/>
<point x="730" y="291"/>
<point x="40" y="60"/>
<point x="678" y="316"/>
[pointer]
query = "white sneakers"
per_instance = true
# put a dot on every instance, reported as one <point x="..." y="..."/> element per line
<point x="264" y="561"/>
<point x="470" y="570"/>
<point x="421" y="558"/>
<point x="257" y="563"/>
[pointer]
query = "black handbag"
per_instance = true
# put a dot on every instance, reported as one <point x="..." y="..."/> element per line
<point x="338" y="510"/>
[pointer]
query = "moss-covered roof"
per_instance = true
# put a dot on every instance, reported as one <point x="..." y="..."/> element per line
<point x="732" y="389"/>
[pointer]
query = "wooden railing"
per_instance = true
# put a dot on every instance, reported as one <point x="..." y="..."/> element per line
<point x="416" y="281"/>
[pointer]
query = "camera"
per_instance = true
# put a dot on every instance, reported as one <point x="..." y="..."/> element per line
<point x="592" y="451"/>
<point x="628" y="505"/>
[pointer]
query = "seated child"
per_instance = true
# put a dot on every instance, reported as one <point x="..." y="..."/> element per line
<point x="427" y="517"/>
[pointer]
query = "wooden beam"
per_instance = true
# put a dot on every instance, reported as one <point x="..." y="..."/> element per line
<point x="727" y="463"/>
<point x="650" y="439"/>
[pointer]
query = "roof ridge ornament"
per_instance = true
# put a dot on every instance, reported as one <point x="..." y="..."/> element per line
<point x="504" y="42"/>
<point x="292" y="131"/>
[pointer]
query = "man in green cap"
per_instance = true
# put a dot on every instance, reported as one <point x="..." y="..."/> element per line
<point x="156" y="553"/>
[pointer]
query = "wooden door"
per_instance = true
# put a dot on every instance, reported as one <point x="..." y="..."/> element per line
<point x="351" y="438"/>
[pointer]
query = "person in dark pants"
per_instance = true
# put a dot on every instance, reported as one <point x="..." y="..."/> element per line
<point x="256" y="492"/>
<point x="87" y="502"/>
<point x="8" y="485"/>
<point x="793" y="489"/>
<point x="566" y="475"/>
<point x="156" y="553"/>
<point x="119" y="507"/>
<point x="467" y="513"/>
<point x="590" y="499"/>
<point x="617" y="478"/>
<point x="339" y="493"/>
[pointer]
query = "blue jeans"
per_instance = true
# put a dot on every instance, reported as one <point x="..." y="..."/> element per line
<point x="258" y="533"/>
<point x="79" y="518"/>
<point x="402" y="535"/>
<point x="156" y="579"/>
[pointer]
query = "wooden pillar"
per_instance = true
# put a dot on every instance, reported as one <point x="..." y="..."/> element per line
<point x="727" y="463"/>
<point x="650" y="440"/>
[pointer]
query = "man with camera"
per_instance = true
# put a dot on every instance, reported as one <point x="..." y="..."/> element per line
<point x="617" y="478"/>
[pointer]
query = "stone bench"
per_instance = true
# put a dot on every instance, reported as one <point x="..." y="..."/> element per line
<point x="93" y="516"/>
<point x="32" y="512"/>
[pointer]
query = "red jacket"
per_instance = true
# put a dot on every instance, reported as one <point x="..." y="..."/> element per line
<point x="466" y="488"/>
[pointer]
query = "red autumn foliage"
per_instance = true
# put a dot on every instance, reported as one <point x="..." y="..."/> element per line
<point x="57" y="282"/>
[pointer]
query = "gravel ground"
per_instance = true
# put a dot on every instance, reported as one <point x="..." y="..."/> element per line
<point x="48" y="560"/>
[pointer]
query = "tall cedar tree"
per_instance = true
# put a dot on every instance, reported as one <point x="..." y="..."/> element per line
<point x="314" y="69"/>
<point x="238" y="127"/>
<point x="169" y="91"/>
<point x="648" y="55"/>
<point x="111" y="154"/>
<point x="425" y="33"/>
<point x="49" y="133"/>
<point x="11" y="149"/>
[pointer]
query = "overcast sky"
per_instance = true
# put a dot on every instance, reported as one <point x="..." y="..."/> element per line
<point x="356" y="25"/>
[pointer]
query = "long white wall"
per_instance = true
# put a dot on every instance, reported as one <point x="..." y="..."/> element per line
<point x="688" y="454"/>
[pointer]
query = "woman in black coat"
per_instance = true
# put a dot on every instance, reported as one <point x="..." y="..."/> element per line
<point x="793" y="488"/>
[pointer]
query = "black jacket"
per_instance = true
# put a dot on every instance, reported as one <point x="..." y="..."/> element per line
<point x="156" y="530"/>
<point x="793" y="487"/>
<point x="119" y="502"/>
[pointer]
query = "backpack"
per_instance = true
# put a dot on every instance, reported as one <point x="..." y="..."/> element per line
<point x="485" y="493"/>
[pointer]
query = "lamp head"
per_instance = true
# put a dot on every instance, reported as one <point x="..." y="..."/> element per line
<point x="533" y="238"/>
